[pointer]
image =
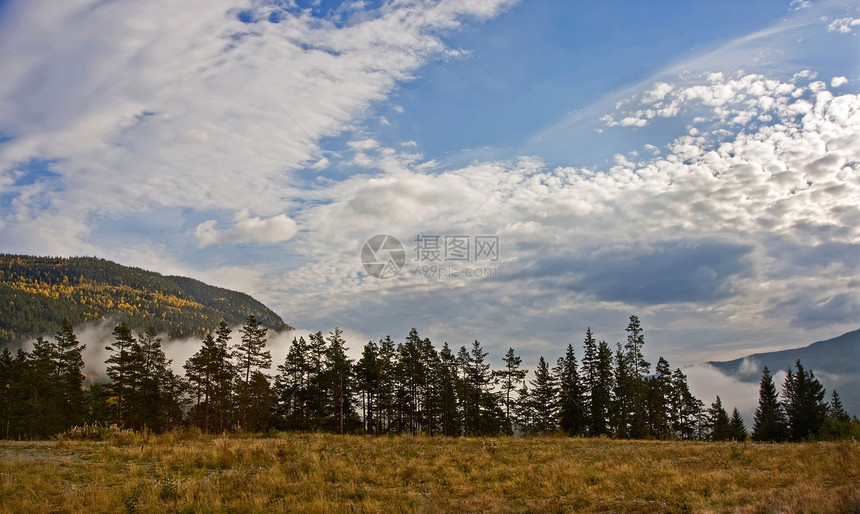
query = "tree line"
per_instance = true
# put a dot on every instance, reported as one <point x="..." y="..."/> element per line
<point x="407" y="387"/>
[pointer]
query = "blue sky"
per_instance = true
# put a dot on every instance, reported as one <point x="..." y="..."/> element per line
<point x="695" y="163"/>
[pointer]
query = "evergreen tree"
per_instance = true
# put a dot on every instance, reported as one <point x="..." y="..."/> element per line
<point x="120" y="370"/>
<point x="337" y="378"/>
<point x="251" y="356"/>
<point x="510" y="378"/>
<point x="600" y="397"/>
<point x="544" y="399"/>
<point x="449" y="416"/>
<point x="524" y="411"/>
<point x="224" y="376"/>
<point x="367" y="384"/>
<point x="769" y="420"/>
<point x="70" y="364"/>
<point x="571" y="414"/>
<point x="738" y="431"/>
<point x="836" y="410"/>
<point x="718" y="422"/>
<point x="686" y="408"/>
<point x="44" y="418"/>
<point x="638" y="387"/>
<point x="803" y="402"/>
<point x="622" y="395"/>
<point x="659" y="395"/>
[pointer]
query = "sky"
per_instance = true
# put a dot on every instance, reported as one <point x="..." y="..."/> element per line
<point x="694" y="163"/>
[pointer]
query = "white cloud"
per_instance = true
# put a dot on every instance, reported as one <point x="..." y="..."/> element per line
<point x="275" y="229"/>
<point x="844" y="25"/>
<point x="838" y="81"/>
<point x="189" y="107"/>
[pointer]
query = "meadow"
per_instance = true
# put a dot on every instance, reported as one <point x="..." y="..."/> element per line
<point x="190" y="472"/>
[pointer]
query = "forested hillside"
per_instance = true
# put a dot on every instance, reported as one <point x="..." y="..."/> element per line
<point x="36" y="293"/>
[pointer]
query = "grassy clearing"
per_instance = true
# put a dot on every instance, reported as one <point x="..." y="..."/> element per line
<point x="183" y="472"/>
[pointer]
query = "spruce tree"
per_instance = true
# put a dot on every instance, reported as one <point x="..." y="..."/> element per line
<point x="571" y="414"/>
<point x="836" y="410"/>
<point x="769" y="420"/>
<point x="738" y="431"/>
<point x="70" y="364"/>
<point x="544" y="399"/>
<point x="718" y="422"/>
<point x="120" y="370"/>
<point x="803" y="402"/>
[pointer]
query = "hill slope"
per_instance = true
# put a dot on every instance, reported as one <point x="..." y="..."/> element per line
<point x="835" y="362"/>
<point x="36" y="293"/>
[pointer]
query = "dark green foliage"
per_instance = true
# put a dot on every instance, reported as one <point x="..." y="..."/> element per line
<point x="571" y="411"/>
<point x="251" y="357"/>
<point x="803" y="402"/>
<point x="37" y="293"/>
<point x="543" y="399"/>
<point x="718" y="422"/>
<point x="769" y="423"/>
<point x="738" y="431"/>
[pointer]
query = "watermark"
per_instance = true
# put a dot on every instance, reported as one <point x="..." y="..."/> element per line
<point x="383" y="256"/>
<point x="436" y="256"/>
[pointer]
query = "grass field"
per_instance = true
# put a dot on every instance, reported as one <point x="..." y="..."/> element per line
<point x="185" y="472"/>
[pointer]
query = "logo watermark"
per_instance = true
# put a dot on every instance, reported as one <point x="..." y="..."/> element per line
<point x="437" y="256"/>
<point x="383" y="256"/>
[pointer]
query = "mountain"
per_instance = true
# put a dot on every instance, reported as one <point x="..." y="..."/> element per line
<point x="835" y="362"/>
<point x="36" y="293"/>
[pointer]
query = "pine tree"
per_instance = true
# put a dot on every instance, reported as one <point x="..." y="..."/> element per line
<point x="686" y="408"/>
<point x="659" y="396"/>
<point x="366" y="374"/>
<point x="837" y="411"/>
<point x="510" y="378"/>
<point x="70" y="364"/>
<point x="803" y="402"/>
<point x="544" y="398"/>
<point x="449" y="415"/>
<point x="600" y="399"/>
<point x="571" y="414"/>
<point x="638" y="387"/>
<point x="718" y="422"/>
<point x="769" y="420"/>
<point x="223" y="379"/>
<point x="43" y="402"/>
<point x="622" y="395"/>
<point x="251" y="356"/>
<point x="738" y="431"/>
<point x="120" y="370"/>
<point x="337" y="378"/>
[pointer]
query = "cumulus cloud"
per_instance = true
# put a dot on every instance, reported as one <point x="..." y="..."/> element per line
<point x="844" y="25"/>
<point x="715" y="224"/>
<point x="246" y="229"/>
<point x="838" y="81"/>
<point x="195" y="106"/>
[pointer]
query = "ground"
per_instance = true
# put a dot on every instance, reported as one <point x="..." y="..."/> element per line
<point x="189" y="472"/>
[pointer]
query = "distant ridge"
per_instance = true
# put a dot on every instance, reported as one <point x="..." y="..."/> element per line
<point x="835" y="362"/>
<point x="36" y="293"/>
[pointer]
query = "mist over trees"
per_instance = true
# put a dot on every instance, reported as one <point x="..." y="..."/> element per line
<point x="407" y="387"/>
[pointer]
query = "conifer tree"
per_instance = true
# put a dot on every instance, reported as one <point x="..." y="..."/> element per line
<point x="338" y="382"/>
<point x="737" y="429"/>
<point x="571" y="414"/>
<point x="803" y="402"/>
<point x="121" y="369"/>
<point x="718" y="422"/>
<point x="251" y="356"/>
<point x="837" y="411"/>
<point x="544" y="399"/>
<point x="659" y="395"/>
<point x="769" y="420"/>
<point x="70" y="364"/>
<point x="510" y="379"/>
<point x="449" y="416"/>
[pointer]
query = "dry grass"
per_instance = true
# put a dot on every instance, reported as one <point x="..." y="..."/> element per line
<point x="326" y="473"/>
